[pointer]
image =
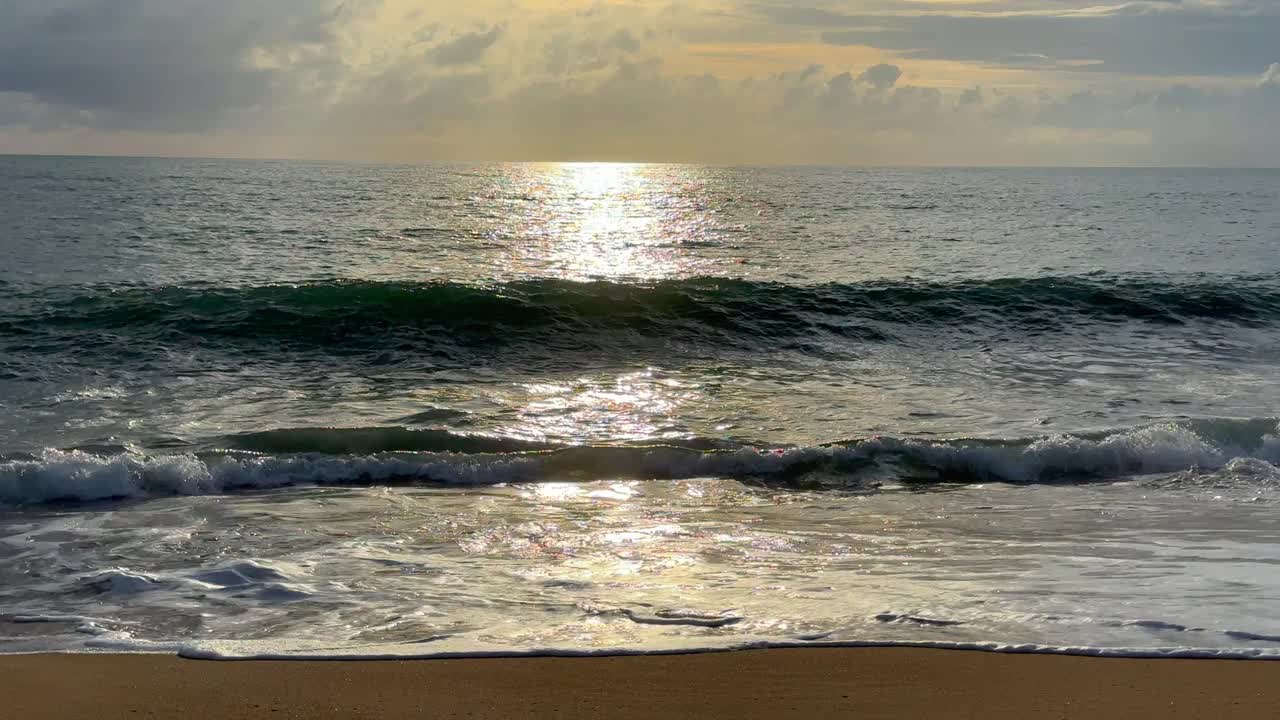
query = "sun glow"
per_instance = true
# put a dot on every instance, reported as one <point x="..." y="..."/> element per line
<point x="611" y="214"/>
<point x="601" y="221"/>
<point x="600" y="179"/>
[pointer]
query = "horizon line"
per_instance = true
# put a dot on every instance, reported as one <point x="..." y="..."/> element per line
<point x="850" y="166"/>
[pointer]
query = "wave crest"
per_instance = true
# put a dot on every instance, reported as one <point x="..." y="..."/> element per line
<point x="436" y="317"/>
<point x="78" y="476"/>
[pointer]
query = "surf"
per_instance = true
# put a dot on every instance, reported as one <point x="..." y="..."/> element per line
<point x="1248" y="449"/>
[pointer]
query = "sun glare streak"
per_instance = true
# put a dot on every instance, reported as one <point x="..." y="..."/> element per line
<point x="602" y="221"/>
<point x="634" y="406"/>
<point x="600" y="179"/>
<point x="610" y="216"/>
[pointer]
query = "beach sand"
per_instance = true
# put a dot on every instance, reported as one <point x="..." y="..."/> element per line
<point x="808" y="683"/>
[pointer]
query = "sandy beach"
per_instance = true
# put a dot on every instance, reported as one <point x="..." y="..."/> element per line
<point x="820" y="683"/>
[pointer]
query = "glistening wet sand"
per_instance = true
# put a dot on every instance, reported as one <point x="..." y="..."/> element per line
<point x="817" y="683"/>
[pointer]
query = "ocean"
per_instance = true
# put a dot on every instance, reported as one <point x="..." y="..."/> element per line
<point x="291" y="409"/>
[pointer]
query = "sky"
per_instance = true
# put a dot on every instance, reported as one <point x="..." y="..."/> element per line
<point x="874" y="82"/>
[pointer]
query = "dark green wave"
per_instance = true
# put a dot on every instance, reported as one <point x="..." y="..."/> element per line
<point x="736" y="312"/>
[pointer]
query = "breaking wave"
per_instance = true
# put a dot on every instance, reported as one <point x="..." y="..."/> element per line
<point x="1204" y="445"/>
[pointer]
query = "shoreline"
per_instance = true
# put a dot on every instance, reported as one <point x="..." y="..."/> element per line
<point x="810" y="682"/>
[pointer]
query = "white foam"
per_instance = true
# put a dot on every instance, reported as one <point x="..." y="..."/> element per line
<point x="76" y="475"/>
<point x="79" y="476"/>
<point x="446" y="649"/>
<point x="461" y="646"/>
<point x="123" y="642"/>
<point x="440" y="647"/>
<point x="1146" y="450"/>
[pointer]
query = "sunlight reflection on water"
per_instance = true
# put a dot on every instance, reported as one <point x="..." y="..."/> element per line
<point x="606" y="220"/>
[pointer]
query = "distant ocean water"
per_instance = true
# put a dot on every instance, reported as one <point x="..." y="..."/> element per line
<point x="308" y="409"/>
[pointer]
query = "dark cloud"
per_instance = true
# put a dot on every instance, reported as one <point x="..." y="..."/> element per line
<point x="567" y="53"/>
<point x="1189" y="40"/>
<point x="623" y="40"/>
<point x="810" y="71"/>
<point x="801" y="15"/>
<point x="466" y="49"/>
<point x="882" y="76"/>
<point x="164" y="63"/>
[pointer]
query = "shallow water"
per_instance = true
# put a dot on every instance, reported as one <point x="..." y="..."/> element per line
<point x="1160" y="562"/>
<point x="279" y="408"/>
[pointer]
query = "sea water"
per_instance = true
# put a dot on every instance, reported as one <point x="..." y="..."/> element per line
<point x="287" y="409"/>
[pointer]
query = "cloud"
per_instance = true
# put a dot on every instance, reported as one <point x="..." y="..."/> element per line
<point x="624" y="41"/>
<point x="881" y="77"/>
<point x="970" y="98"/>
<point x="1156" y="39"/>
<point x="1271" y="77"/>
<point x="503" y="79"/>
<point x="801" y="15"/>
<point x="166" y="63"/>
<point x="466" y="48"/>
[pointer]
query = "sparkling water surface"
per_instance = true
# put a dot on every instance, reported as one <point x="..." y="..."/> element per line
<point x="341" y="408"/>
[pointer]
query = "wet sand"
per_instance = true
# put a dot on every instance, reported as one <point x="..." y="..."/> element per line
<point x="805" y="683"/>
